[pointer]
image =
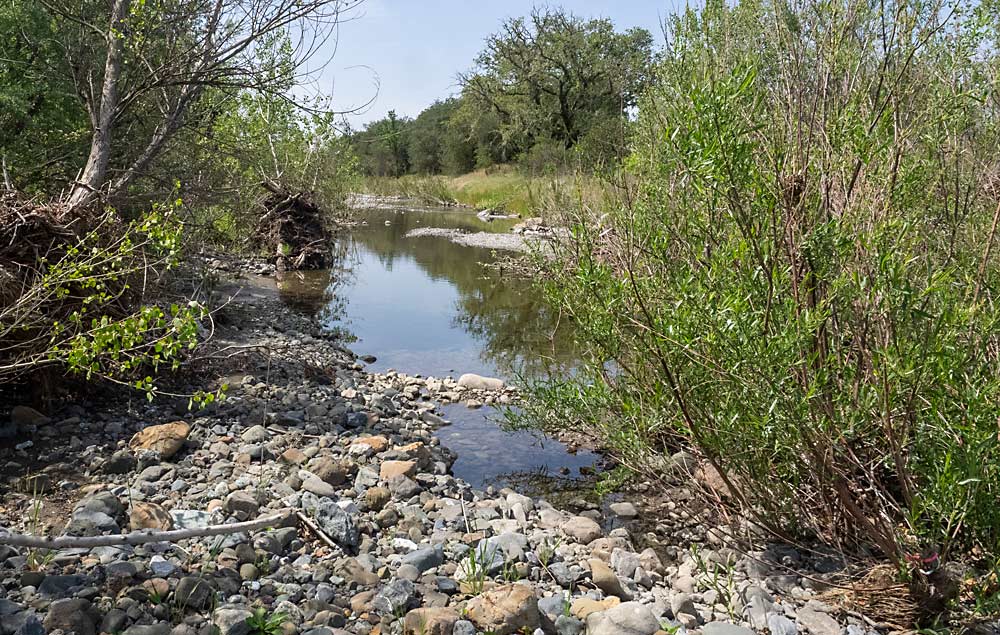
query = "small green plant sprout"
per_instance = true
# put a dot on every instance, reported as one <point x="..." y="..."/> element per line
<point x="547" y="549"/>
<point x="669" y="628"/>
<point x="611" y="481"/>
<point x="476" y="567"/>
<point x="263" y="565"/>
<point x="37" y="558"/>
<point x="720" y="578"/>
<point x="263" y="623"/>
<point x="155" y="597"/>
<point x="510" y="572"/>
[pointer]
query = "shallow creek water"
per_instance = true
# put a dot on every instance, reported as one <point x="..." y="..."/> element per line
<point x="427" y="305"/>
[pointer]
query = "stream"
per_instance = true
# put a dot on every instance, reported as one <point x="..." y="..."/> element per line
<point x="430" y="306"/>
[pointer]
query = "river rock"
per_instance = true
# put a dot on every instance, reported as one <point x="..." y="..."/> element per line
<point x="375" y="444"/>
<point x="424" y="559"/>
<point x="725" y="628"/>
<point x="166" y="439"/>
<point x="195" y="592"/>
<point x="316" y="485"/>
<point x="336" y="522"/>
<point x="582" y="529"/>
<point x="566" y="625"/>
<point x="121" y="462"/>
<point x="464" y="627"/>
<point x="241" y="504"/>
<point x="375" y="498"/>
<point x="606" y="580"/>
<point x="624" y="510"/>
<point x="778" y="624"/>
<point x="88" y="522"/>
<point x="817" y="622"/>
<point x="148" y="629"/>
<point x="583" y="607"/>
<point x="391" y="469"/>
<point x="149" y="516"/>
<point x="72" y="615"/>
<point x="629" y="618"/>
<point x="25" y="418"/>
<point x="404" y="487"/>
<point x="30" y="625"/>
<point x="395" y="597"/>
<point x="232" y="620"/>
<point x="472" y="381"/>
<point x="57" y="586"/>
<point x="255" y="434"/>
<point x="505" y="610"/>
<point x="430" y="621"/>
<point x="331" y="471"/>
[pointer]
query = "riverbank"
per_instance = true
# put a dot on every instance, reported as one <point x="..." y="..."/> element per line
<point x="386" y="539"/>
<point x="504" y="189"/>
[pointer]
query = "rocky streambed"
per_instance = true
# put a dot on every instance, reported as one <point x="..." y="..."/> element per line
<point x="376" y="536"/>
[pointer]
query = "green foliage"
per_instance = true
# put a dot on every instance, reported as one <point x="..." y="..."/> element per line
<point x="71" y="313"/>
<point x="43" y="127"/>
<point x="476" y="566"/>
<point x="436" y="144"/>
<point x="612" y="480"/>
<point x="801" y="285"/>
<point x="382" y="147"/>
<point x="553" y="77"/>
<point x="263" y="623"/>
<point x="218" y="133"/>
<point x="551" y="90"/>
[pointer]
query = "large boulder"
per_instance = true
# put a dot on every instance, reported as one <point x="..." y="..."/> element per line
<point x="166" y="439"/>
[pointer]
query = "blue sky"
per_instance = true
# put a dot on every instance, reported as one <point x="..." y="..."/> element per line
<point x="406" y="53"/>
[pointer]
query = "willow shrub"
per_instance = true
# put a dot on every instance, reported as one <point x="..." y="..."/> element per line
<point x="802" y="286"/>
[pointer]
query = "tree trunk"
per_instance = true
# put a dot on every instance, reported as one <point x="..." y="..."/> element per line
<point x="86" y="188"/>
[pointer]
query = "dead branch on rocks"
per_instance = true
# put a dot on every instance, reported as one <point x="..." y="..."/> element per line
<point x="141" y="537"/>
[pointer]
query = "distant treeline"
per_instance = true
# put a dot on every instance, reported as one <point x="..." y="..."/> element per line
<point x="548" y="91"/>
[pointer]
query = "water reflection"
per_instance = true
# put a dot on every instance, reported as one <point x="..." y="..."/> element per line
<point x="429" y="301"/>
<point x="428" y="305"/>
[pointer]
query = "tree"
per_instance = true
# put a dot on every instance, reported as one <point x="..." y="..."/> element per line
<point x="436" y="143"/>
<point x="382" y="146"/>
<point x="43" y="127"/>
<point x="161" y="56"/>
<point x="554" y="76"/>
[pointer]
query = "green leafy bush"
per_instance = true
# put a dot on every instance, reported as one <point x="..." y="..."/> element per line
<point x="86" y="305"/>
<point x="801" y="281"/>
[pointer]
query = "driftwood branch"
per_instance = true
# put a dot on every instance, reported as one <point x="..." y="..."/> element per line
<point x="313" y="527"/>
<point x="140" y="537"/>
